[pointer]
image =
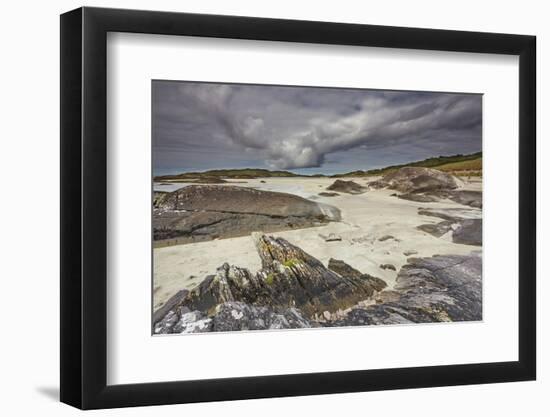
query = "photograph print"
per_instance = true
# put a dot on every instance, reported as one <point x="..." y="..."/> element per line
<point x="296" y="207"/>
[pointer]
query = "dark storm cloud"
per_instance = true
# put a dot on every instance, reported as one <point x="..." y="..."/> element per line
<point x="201" y="126"/>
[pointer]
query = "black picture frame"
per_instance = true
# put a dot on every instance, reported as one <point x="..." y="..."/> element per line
<point x="84" y="207"/>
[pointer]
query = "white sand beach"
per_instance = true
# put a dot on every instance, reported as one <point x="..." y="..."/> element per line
<point x="366" y="218"/>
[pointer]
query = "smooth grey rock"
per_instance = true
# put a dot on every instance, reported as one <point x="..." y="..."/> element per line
<point x="465" y="197"/>
<point x="469" y="232"/>
<point x="436" y="229"/>
<point x="182" y="320"/>
<point x="203" y="212"/>
<point x="465" y="223"/>
<point x="436" y="289"/>
<point x="452" y="214"/>
<point x="421" y="198"/>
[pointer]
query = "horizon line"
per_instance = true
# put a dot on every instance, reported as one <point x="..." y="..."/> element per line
<point x="320" y="174"/>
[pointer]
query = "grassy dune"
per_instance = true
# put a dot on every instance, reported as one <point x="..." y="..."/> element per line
<point x="459" y="162"/>
<point x="473" y="165"/>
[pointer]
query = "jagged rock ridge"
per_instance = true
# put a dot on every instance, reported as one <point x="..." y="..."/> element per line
<point x="289" y="278"/>
<point x="295" y="290"/>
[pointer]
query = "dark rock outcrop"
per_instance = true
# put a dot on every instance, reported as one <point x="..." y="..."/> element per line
<point x="301" y="280"/>
<point x="204" y="212"/>
<point x="348" y="187"/>
<point x="468" y="232"/>
<point x="426" y="185"/>
<point x="342" y="268"/>
<point x="436" y="229"/>
<point x="289" y="278"/>
<point x="325" y="194"/>
<point x="158" y="196"/>
<point x="232" y="316"/>
<point x="436" y="289"/>
<point x="466" y="197"/>
<point x="172" y="302"/>
<point x="345" y="270"/>
<point x="452" y="214"/>
<point x="295" y="290"/>
<point x="465" y="224"/>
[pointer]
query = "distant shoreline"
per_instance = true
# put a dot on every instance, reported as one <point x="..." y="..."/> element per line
<point x="470" y="164"/>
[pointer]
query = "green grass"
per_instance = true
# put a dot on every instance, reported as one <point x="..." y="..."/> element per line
<point x="436" y="162"/>
<point x="289" y="263"/>
<point x="473" y="165"/>
<point x="269" y="279"/>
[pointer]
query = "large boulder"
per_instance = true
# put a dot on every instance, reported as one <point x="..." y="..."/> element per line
<point x="243" y="200"/>
<point x="289" y="277"/>
<point x="417" y="180"/>
<point x="205" y="212"/>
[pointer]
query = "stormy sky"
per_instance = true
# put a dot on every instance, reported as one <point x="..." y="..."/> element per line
<point x="307" y="130"/>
